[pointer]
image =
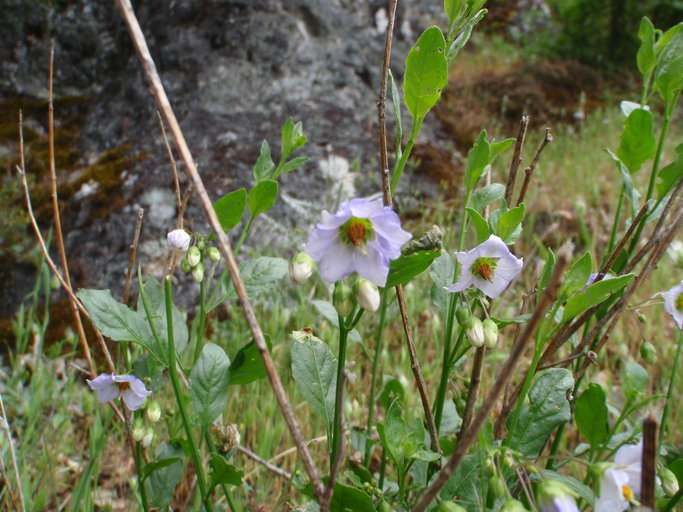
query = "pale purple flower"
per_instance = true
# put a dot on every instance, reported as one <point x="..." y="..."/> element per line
<point x="178" y="240"/>
<point x="110" y="386"/>
<point x="621" y="482"/>
<point x="490" y="266"/>
<point x="554" y="496"/>
<point x="363" y="236"/>
<point x="673" y="303"/>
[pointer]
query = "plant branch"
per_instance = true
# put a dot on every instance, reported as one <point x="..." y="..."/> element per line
<point x="473" y="392"/>
<point x="164" y="107"/>
<point x="649" y="463"/>
<point x="516" y="159"/>
<point x="529" y="170"/>
<point x="272" y="467"/>
<point x="131" y="259"/>
<point x="13" y="455"/>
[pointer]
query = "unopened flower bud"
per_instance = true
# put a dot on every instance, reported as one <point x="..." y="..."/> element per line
<point x="201" y="243"/>
<point x="153" y="411"/>
<point x="508" y="461"/>
<point x="642" y="318"/>
<point x="148" y="437"/>
<point x="178" y="240"/>
<point x="556" y="497"/>
<point x="462" y="314"/>
<point x="139" y="429"/>
<point x="185" y="265"/>
<point x="450" y="506"/>
<point x="342" y="298"/>
<point x="490" y="333"/>
<point x="301" y="268"/>
<point x="496" y="487"/>
<point x="213" y="253"/>
<point x="648" y="352"/>
<point x="198" y="273"/>
<point x="513" y="505"/>
<point x="367" y="295"/>
<point x="194" y="256"/>
<point x="669" y="481"/>
<point x="474" y="329"/>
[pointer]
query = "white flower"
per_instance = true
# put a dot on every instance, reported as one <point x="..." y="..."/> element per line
<point x="111" y="386"/>
<point x="178" y="240"/>
<point x="621" y="482"/>
<point x="367" y="295"/>
<point x="490" y="266"/>
<point x="673" y="303"/>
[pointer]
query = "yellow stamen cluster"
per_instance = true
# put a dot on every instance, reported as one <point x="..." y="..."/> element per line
<point x="628" y="492"/>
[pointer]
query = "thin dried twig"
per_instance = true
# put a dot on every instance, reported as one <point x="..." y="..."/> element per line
<point x="164" y="107"/>
<point x="473" y="393"/>
<point x="470" y="436"/>
<point x="131" y="260"/>
<point x="13" y="455"/>
<point x="5" y="479"/>
<point x="386" y="195"/>
<point x="529" y="170"/>
<point x="174" y="167"/>
<point x="648" y="474"/>
<point x="516" y="159"/>
<point x="272" y="467"/>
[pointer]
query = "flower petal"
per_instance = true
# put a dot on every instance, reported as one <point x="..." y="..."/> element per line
<point x="132" y="400"/>
<point x="374" y="266"/>
<point x="101" y="381"/>
<point x="336" y="262"/>
<point x="363" y="208"/>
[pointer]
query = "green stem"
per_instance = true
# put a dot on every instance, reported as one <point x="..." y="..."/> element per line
<point x="179" y="398"/>
<point x="243" y="236"/>
<point x="141" y="483"/>
<point x="382" y="470"/>
<point x="669" y="393"/>
<point x="615" y="225"/>
<point x="555" y="447"/>
<point x="673" y="501"/>
<point x="400" y="165"/>
<point x="226" y="492"/>
<point x="336" y="429"/>
<point x="375" y="367"/>
<point x="202" y="323"/>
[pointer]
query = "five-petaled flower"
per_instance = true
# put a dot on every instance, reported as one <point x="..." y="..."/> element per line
<point x="621" y="482"/>
<point x="363" y="236"/>
<point x="110" y="386"/>
<point x="673" y="303"/>
<point x="490" y="266"/>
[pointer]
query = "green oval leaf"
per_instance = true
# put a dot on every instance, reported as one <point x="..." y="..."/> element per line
<point x="426" y="73"/>
<point x="209" y="384"/>
<point x="230" y="207"/>
<point x="405" y="268"/>
<point x="262" y="197"/>
<point x="591" y="415"/>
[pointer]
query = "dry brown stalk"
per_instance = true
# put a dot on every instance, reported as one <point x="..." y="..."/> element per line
<point x="164" y="107"/>
<point x="131" y="260"/>
<point x="272" y="467"/>
<point x="470" y="436"/>
<point x="516" y="159"/>
<point x="174" y="167"/>
<point x="13" y="456"/>
<point x="529" y="170"/>
<point x="648" y="474"/>
<point x="475" y="381"/>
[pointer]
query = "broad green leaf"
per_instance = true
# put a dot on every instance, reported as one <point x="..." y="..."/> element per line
<point x="498" y="148"/>
<point x="442" y="276"/>
<point x="347" y="498"/>
<point x="327" y="310"/>
<point x="669" y="71"/>
<point x="399" y="440"/>
<point x="591" y="415"/>
<point x="292" y="139"/>
<point x="594" y="295"/>
<point x="477" y="159"/>
<point x="260" y="275"/>
<point x="676" y="468"/>
<point x="162" y="482"/>
<point x="548" y="408"/>
<point x="209" y="384"/>
<point x="581" y="490"/>
<point x="224" y="473"/>
<point x="637" y="144"/>
<point x="480" y="225"/>
<point x="264" y="166"/>
<point x="646" y="53"/>
<point x="669" y="176"/>
<point x="150" y="468"/>
<point x="450" y="420"/>
<point x="292" y="165"/>
<point x="426" y="73"/>
<point x="405" y="268"/>
<point x="576" y="277"/>
<point x="230" y="207"/>
<point x="453" y="8"/>
<point x="487" y="195"/>
<point x="314" y="368"/>
<point x="510" y="224"/>
<point x="391" y="390"/>
<point x="262" y="197"/>
<point x="425" y="455"/>
<point x="247" y="366"/>
<point x="465" y="484"/>
<point x="634" y="380"/>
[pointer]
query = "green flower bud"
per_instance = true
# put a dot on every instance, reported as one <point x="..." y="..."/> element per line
<point x="194" y="256"/>
<point x="153" y="411"/>
<point x="384" y="507"/>
<point x="213" y="253"/>
<point x="342" y="298"/>
<point x="513" y="505"/>
<point x="301" y="268"/>
<point x="648" y="352"/>
<point x="198" y="273"/>
<point x="367" y="295"/>
<point x="450" y="506"/>
<point x="474" y="329"/>
<point x="642" y="318"/>
<point x="139" y="429"/>
<point x="185" y="265"/>
<point x="201" y="243"/>
<point x="669" y="481"/>
<point x="462" y="314"/>
<point x="496" y="486"/>
<point x="490" y="333"/>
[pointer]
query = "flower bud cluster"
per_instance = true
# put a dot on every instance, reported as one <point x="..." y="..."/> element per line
<point x="193" y="261"/>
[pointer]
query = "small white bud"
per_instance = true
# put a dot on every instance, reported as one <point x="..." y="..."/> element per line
<point x="139" y="429"/>
<point x="194" y="256"/>
<point x="301" y="268"/>
<point x="367" y="295"/>
<point x="198" y="273"/>
<point x="214" y="253"/>
<point x="669" y="481"/>
<point x="178" y="240"/>
<point x="148" y="438"/>
<point x="153" y="411"/>
<point x="490" y="333"/>
<point x="474" y="329"/>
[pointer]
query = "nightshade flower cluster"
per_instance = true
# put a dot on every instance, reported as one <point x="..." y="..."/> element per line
<point x="490" y="266"/>
<point x="621" y="482"/>
<point x="110" y="386"/>
<point x="673" y="303"/>
<point x="363" y="237"/>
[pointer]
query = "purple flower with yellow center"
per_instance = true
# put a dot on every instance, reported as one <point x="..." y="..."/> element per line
<point x="363" y="237"/>
<point x="110" y="386"/>
<point x="673" y="303"/>
<point x="490" y="266"/>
